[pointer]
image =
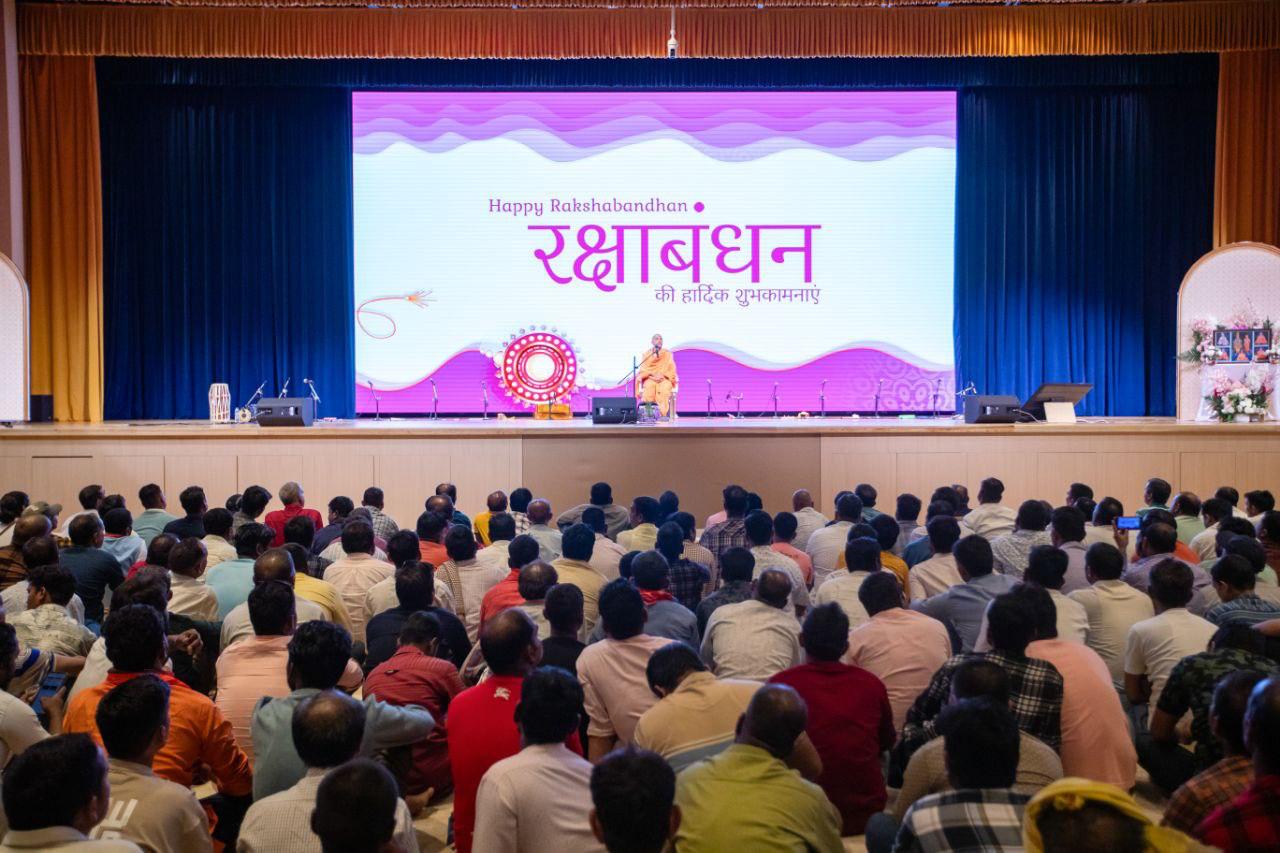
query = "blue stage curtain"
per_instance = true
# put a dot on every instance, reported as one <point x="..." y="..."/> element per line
<point x="1084" y="193"/>
<point x="228" y="246"/>
<point x="1078" y="211"/>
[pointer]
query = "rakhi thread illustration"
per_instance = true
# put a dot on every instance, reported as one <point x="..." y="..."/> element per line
<point x="420" y="298"/>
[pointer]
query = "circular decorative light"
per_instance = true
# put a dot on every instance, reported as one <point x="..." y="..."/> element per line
<point x="538" y="367"/>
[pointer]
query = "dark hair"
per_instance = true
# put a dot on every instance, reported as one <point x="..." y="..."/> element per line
<point x="670" y="541"/>
<point x="990" y="491"/>
<point x="373" y="496"/>
<point x="1159" y="490"/>
<point x="866" y="493"/>
<point x="117" y="521"/>
<point x="415" y="585"/>
<point x="186" y="555"/>
<point x="49" y="783"/>
<point x="1269" y="526"/>
<point x="601" y="494"/>
<point x="218" y="522"/>
<point x="430" y="525"/>
<point x="632" y="791"/>
<point x="1187" y="503"/>
<point x="149" y="496"/>
<point x="402" y="547"/>
<point x="318" y="654"/>
<point x="252" y="536"/>
<point x="356" y="807"/>
<point x="459" y="543"/>
<point x="1047" y="566"/>
<point x="621" y="609"/>
<point x="1107" y="511"/>
<point x="327" y="728"/>
<point x="91" y="496"/>
<point x="670" y="664"/>
<point x="1160" y="538"/>
<point x="148" y="587"/>
<point x="1068" y="523"/>
<point x="944" y="532"/>
<point x="973" y="554"/>
<point x="129" y="716"/>
<point x="669" y="503"/>
<point x="950" y="495"/>
<point x="1040" y="607"/>
<point x="978" y="678"/>
<point x="785" y="525"/>
<point x="1230" y="700"/>
<point x="735" y="501"/>
<point x="758" y="526"/>
<point x="520" y="499"/>
<point x="737" y="564"/>
<point x="135" y="637"/>
<point x="862" y="554"/>
<point x="109" y="503"/>
<point x="550" y="704"/>
<point x="624" y="564"/>
<point x="862" y="530"/>
<point x="83" y="528"/>
<point x="578" y="542"/>
<point x="535" y="579"/>
<point x="502" y="527"/>
<point x="1246" y="546"/>
<point x="651" y="571"/>
<point x="160" y="549"/>
<point x="1228" y="494"/>
<point x="1095" y="825"/>
<point x="1237" y="635"/>
<point x="1235" y="571"/>
<point x="825" y="635"/>
<point x="357" y="538"/>
<point x="908" y="508"/>
<point x="880" y="591"/>
<point x="648" y="509"/>
<point x="1079" y="490"/>
<point x="1172" y="583"/>
<point x="849" y="506"/>
<point x="8" y="651"/>
<point x="1032" y="516"/>
<point x="1010" y="628"/>
<point x="192" y="499"/>
<point x="887" y="531"/>
<point x="522" y="551"/>
<point x="341" y="505"/>
<point x="55" y="580"/>
<point x="254" y="501"/>
<point x="41" y="551"/>
<point x="232" y="504"/>
<point x="1105" y="561"/>
<point x="271" y="606"/>
<point x="563" y="607"/>
<point x="981" y="742"/>
<point x="300" y="530"/>
<point x="593" y="517"/>
<point x="504" y="638"/>
<point x="1216" y="508"/>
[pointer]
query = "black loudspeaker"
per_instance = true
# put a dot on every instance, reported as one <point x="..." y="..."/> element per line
<point x="41" y="411"/>
<point x="286" y="411"/>
<point x="613" y="410"/>
<point x="990" y="409"/>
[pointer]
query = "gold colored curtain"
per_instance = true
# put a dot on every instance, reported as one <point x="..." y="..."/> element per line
<point x="63" y="190"/>
<point x="293" y="32"/>
<point x="1247" y="173"/>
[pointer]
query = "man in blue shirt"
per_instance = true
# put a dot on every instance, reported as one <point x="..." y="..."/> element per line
<point x="95" y="570"/>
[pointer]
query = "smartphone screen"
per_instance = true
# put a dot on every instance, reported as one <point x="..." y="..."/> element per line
<point x="1128" y="522"/>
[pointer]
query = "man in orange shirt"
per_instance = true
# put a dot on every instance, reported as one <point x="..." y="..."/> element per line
<point x="431" y="529"/>
<point x="198" y="733"/>
<point x="656" y="377"/>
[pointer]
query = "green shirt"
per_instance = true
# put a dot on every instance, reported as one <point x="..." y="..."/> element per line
<point x="745" y="799"/>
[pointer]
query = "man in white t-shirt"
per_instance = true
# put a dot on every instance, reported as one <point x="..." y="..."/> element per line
<point x="1154" y="646"/>
<point x="1112" y="607"/>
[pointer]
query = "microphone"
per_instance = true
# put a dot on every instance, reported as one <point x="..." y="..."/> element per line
<point x="937" y="396"/>
<point x="484" y="395"/>
<point x="708" y="398"/>
<point x="879" y="389"/>
<point x="775" y="399"/>
<point x="312" y="386"/>
<point x="284" y="392"/>
<point x="822" y="398"/>
<point x="435" y="399"/>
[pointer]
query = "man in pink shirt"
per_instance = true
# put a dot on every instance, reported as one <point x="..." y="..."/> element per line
<point x="295" y="504"/>
<point x="901" y="647"/>
<point x="1095" y="731"/>
<point x="785" y="526"/>
<point x="613" y="671"/>
<point x="256" y="666"/>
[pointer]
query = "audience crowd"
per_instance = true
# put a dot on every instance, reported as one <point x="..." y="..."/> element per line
<point x="614" y="677"/>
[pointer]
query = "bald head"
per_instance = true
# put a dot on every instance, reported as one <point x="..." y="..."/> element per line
<point x="773" y="587"/>
<point x="328" y="728"/>
<point x="440" y="505"/>
<point x="509" y="642"/>
<point x="496" y="502"/>
<point x="30" y="526"/>
<point x="801" y="499"/>
<point x="535" y="579"/>
<point x="774" y="720"/>
<point x="1262" y="726"/>
<point x="540" y="511"/>
<point x="274" y="565"/>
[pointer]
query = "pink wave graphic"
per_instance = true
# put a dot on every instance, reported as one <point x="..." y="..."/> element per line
<point x="732" y="126"/>
<point x="853" y="377"/>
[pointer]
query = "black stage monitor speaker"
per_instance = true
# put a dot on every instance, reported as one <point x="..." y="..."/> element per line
<point x="286" y="411"/>
<point x="990" y="409"/>
<point x="613" y="410"/>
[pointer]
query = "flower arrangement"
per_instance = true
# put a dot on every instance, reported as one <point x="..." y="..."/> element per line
<point x="1232" y="398"/>
<point x="1203" y="350"/>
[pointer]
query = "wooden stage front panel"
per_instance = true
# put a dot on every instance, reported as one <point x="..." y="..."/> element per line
<point x="695" y="457"/>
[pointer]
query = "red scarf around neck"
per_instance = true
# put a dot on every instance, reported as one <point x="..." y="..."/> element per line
<point x="653" y="596"/>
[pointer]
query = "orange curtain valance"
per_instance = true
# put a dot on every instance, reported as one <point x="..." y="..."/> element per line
<point x="126" y="30"/>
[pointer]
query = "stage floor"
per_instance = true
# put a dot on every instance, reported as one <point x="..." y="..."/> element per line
<point x="696" y="457"/>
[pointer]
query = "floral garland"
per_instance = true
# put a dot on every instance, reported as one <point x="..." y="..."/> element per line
<point x="1204" y="351"/>
<point x="1231" y="398"/>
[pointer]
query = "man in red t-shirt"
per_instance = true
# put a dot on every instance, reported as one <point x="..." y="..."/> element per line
<point x="850" y="719"/>
<point x="506" y="592"/>
<point x="482" y="725"/>
<point x="295" y="504"/>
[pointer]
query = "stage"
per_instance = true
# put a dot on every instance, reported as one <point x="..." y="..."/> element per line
<point x="696" y="457"/>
